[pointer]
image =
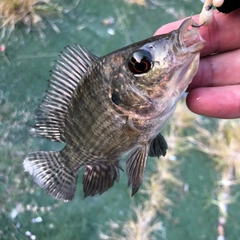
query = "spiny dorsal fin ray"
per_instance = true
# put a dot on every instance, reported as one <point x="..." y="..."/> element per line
<point x="158" y="146"/>
<point x="136" y="164"/>
<point x="99" y="178"/>
<point x="66" y="76"/>
<point x="51" y="174"/>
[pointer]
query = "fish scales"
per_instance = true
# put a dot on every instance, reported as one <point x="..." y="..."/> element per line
<point x="93" y="135"/>
<point x="104" y="108"/>
<point x="99" y="138"/>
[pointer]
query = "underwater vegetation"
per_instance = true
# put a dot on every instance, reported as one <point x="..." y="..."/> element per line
<point x="191" y="193"/>
<point x="27" y="12"/>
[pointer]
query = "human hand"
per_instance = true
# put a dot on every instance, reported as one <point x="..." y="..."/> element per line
<point x="215" y="90"/>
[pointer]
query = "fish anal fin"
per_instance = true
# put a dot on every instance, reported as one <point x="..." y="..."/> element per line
<point x="136" y="165"/>
<point x="158" y="146"/>
<point x="51" y="174"/>
<point x="99" y="178"/>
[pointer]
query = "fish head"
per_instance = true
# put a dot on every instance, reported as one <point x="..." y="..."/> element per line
<point x="156" y="72"/>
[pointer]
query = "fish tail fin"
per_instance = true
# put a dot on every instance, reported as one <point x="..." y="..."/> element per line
<point x="136" y="165"/>
<point x="99" y="178"/>
<point x="51" y="174"/>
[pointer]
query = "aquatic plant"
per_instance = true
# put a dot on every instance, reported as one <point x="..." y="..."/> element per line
<point x="222" y="144"/>
<point x="28" y="12"/>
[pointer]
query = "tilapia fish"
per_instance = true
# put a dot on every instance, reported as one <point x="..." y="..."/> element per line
<point x="107" y="107"/>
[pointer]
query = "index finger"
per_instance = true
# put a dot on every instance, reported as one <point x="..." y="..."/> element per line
<point x="221" y="35"/>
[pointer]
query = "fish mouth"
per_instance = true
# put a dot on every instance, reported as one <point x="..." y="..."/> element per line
<point x="190" y="37"/>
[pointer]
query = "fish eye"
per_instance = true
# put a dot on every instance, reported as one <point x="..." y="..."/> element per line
<point x="140" y="62"/>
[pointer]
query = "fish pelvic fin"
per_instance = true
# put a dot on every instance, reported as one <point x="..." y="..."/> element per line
<point x="66" y="76"/>
<point x="99" y="178"/>
<point x="136" y="165"/>
<point x="158" y="146"/>
<point x="51" y="174"/>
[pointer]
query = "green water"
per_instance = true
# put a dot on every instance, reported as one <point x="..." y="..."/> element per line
<point x="23" y="80"/>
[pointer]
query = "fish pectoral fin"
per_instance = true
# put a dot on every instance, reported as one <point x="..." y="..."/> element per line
<point x="51" y="174"/>
<point x="136" y="164"/>
<point x="99" y="178"/>
<point x="158" y="146"/>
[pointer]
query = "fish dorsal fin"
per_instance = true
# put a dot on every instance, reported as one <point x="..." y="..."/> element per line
<point x="136" y="164"/>
<point x="158" y="146"/>
<point x="65" y="77"/>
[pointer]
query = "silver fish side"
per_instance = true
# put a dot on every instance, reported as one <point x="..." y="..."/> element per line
<point x="104" y="108"/>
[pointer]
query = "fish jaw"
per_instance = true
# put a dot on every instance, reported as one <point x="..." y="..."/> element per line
<point x="190" y="42"/>
<point x="189" y="36"/>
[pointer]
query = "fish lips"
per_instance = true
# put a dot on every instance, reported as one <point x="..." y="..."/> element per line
<point x="189" y="36"/>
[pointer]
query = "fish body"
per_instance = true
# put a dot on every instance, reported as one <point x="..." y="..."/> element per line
<point x="104" y="108"/>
